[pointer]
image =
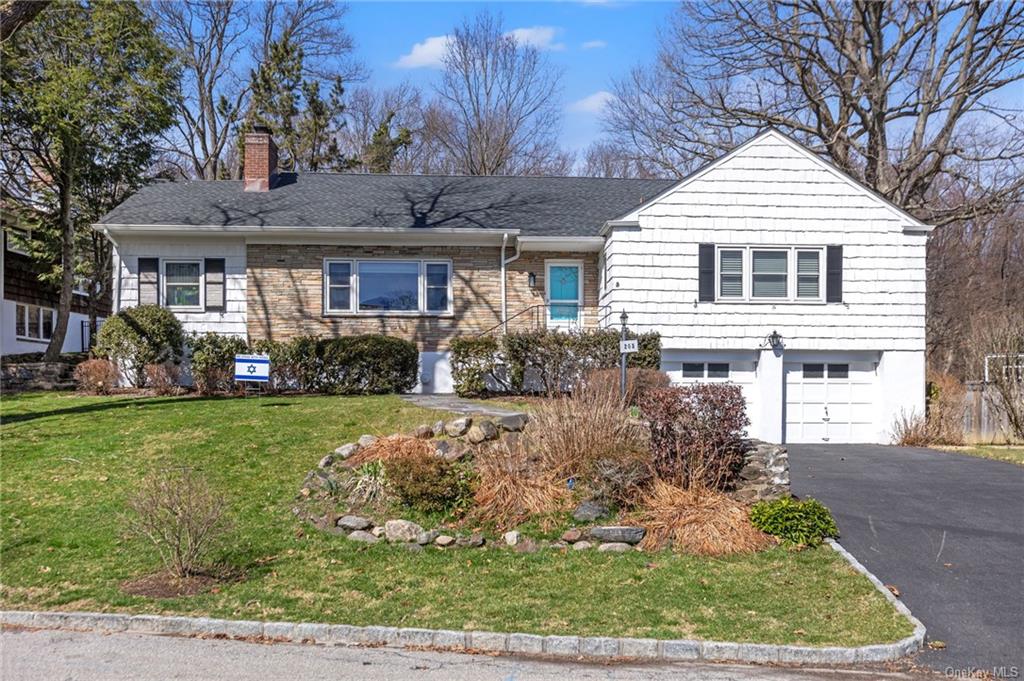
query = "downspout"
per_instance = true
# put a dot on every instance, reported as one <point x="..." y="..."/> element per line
<point x="504" y="263"/>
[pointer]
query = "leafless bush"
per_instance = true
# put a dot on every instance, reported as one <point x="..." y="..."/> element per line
<point x="910" y="429"/>
<point x="183" y="518"/>
<point x="638" y="381"/>
<point x="945" y="421"/>
<point x="96" y="376"/>
<point x="622" y="480"/>
<point x="163" y="378"/>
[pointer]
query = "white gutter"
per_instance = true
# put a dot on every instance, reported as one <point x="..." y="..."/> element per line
<point x="504" y="263"/>
<point x="294" y="229"/>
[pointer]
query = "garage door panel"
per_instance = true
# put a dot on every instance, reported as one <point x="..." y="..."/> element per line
<point x="835" y="407"/>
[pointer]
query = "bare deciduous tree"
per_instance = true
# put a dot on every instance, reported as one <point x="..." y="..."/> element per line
<point x="220" y="44"/>
<point x="16" y="13"/>
<point x="897" y="94"/>
<point x="607" y="159"/>
<point x="497" y="110"/>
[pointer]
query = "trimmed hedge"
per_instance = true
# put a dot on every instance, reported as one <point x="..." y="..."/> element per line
<point x="370" y="364"/>
<point x="559" y="359"/>
<point x="137" y="336"/>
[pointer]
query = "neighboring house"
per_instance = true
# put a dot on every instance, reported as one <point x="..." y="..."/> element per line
<point x="29" y="310"/>
<point x="769" y="238"/>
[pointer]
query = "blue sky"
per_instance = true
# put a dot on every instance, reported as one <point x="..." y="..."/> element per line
<point x="592" y="41"/>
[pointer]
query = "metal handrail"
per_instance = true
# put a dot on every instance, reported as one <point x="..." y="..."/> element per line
<point x="531" y="309"/>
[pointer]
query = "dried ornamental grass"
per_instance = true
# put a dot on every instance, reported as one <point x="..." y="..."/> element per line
<point x="701" y="522"/>
<point x="511" y="488"/>
<point x="391" y="448"/>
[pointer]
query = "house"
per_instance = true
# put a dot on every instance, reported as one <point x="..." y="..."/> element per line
<point x="768" y="268"/>
<point x="29" y="310"/>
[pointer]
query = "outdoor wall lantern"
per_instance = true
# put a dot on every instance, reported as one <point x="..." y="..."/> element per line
<point x="775" y="340"/>
<point x="531" y="278"/>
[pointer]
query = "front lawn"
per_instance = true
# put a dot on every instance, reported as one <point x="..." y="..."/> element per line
<point x="1007" y="453"/>
<point x="68" y="463"/>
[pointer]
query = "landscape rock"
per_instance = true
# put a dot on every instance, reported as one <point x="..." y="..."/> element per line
<point x="458" y="427"/>
<point x="456" y="451"/>
<point x="511" y="538"/>
<point x="402" y="531"/>
<point x="514" y="423"/>
<point x="326" y="461"/>
<point x="582" y="545"/>
<point x="367" y="440"/>
<point x="558" y="545"/>
<point x="378" y="531"/>
<point x="614" y="547"/>
<point x="438" y="428"/>
<point x="347" y="450"/>
<point x="412" y="546"/>
<point x="473" y="541"/>
<point x="589" y="511"/>
<point x="444" y="540"/>
<point x="427" y="537"/>
<point x="424" y="432"/>
<point x="482" y="432"/>
<point x="573" y="535"/>
<point x="615" y="534"/>
<point x="442" y="447"/>
<point x="366" y="537"/>
<point x="354" y="522"/>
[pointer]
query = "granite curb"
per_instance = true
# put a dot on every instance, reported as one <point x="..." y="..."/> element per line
<point x="575" y="647"/>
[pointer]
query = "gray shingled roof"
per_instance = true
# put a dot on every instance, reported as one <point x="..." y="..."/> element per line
<point x="538" y="206"/>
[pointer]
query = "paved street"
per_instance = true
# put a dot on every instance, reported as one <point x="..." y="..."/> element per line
<point x="947" y="530"/>
<point x="65" y="655"/>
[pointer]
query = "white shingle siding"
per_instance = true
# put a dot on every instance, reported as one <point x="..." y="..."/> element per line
<point x="771" y="194"/>
<point x="232" y="321"/>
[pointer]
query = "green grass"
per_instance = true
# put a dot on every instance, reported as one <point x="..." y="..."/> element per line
<point x="69" y="462"/>
<point x="1008" y="453"/>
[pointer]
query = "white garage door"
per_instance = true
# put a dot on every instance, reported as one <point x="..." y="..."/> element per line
<point x="830" y="402"/>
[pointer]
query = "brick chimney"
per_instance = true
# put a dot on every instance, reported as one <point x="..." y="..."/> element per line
<point x="260" y="160"/>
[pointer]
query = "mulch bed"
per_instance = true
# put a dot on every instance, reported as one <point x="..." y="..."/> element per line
<point x="166" y="585"/>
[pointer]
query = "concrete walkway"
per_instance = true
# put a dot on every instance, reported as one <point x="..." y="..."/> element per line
<point x="457" y="405"/>
<point x="84" y="656"/>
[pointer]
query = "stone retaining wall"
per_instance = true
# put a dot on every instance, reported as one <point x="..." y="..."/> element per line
<point x="764" y="475"/>
<point x="36" y="376"/>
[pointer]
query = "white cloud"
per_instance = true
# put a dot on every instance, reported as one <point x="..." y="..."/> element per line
<point x="594" y="45"/>
<point x="541" y="37"/>
<point x="427" y="54"/>
<point x="594" y="103"/>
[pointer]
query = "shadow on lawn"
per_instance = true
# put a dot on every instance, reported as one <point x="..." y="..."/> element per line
<point x="113" y="403"/>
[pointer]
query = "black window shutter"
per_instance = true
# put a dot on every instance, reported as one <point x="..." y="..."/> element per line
<point x="149" y="281"/>
<point x="214" y="268"/>
<point x="834" y="275"/>
<point x="706" y="272"/>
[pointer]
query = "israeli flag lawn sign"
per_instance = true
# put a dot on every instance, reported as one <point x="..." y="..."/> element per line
<point x="252" y="368"/>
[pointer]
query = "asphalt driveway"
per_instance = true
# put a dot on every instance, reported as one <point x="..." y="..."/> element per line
<point x="947" y="530"/>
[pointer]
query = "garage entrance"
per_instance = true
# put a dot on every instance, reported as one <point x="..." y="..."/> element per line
<point x="830" y="401"/>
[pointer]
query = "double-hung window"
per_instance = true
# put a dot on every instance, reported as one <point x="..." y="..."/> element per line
<point x="770" y="274"/>
<point x="183" y="281"/>
<point x="35" y="323"/>
<point x="378" y="287"/>
<point x="712" y="370"/>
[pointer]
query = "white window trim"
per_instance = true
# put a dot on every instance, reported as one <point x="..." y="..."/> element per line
<point x="354" y="311"/>
<point x="42" y="308"/>
<point x="704" y="372"/>
<point x="748" y="274"/>
<point x="563" y="324"/>
<point x="202" y="284"/>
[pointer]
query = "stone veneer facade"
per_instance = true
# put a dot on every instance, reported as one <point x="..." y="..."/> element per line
<point x="285" y="292"/>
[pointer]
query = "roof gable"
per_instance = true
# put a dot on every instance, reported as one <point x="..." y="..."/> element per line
<point x="799" y="153"/>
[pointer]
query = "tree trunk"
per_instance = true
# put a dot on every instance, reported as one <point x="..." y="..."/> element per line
<point x="16" y="13"/>
<point x="67" y="251"/>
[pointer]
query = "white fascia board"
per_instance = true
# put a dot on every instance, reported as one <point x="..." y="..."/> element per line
<point x="582" y="244"/>
<point x="619" y="224"/>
